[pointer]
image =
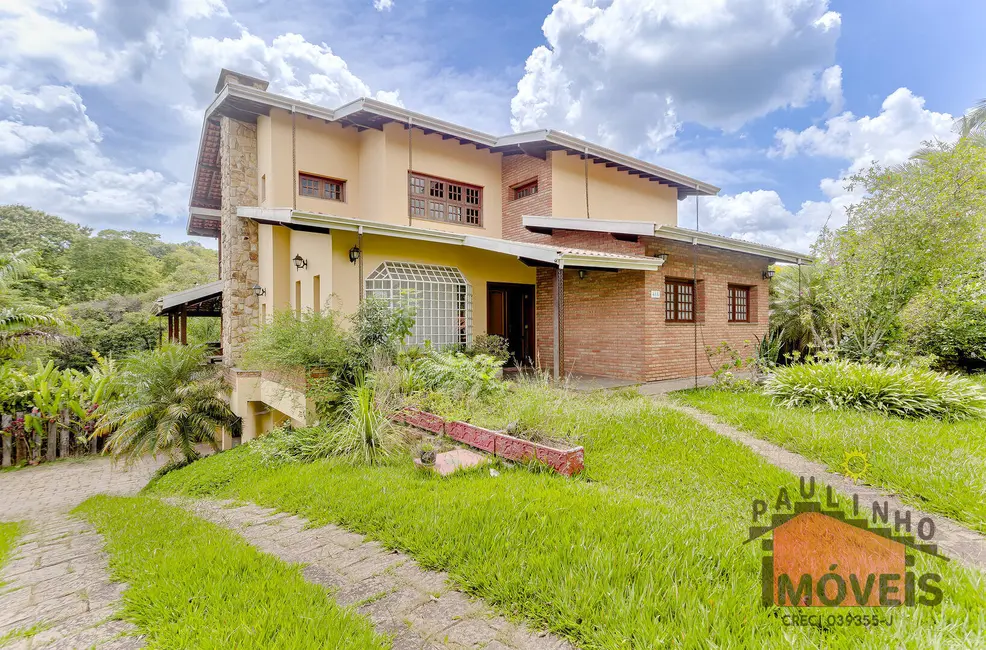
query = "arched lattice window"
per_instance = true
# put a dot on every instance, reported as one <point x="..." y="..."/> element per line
<point x="440" y="296"/>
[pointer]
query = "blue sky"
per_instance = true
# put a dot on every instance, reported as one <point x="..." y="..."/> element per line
<point x="776" y="101"/>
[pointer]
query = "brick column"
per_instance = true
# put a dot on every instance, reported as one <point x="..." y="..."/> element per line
<point x="238" y="247"/>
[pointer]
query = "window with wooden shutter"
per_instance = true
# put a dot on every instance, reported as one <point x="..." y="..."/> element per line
<point x="679" y="301"/>
<point x="321" y="187"/>
<point x="440" y="199"/>
<point x="739" y="304"/>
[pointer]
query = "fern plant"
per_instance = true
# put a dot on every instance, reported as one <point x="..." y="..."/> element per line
<point x="459" y="374"/>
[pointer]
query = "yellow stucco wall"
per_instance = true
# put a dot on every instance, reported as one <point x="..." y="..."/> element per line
<point x="612" y="194"/>
<point x="446" y="159"/>
<point x="274" y="253"/>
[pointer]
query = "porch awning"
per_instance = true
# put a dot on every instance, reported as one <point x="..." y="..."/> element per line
<point x="535" y="254"/>
<point x="650" y="229"/>
<point x="203" y="300"/>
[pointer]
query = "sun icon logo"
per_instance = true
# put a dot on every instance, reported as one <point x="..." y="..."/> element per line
<point x="855" y="464"/>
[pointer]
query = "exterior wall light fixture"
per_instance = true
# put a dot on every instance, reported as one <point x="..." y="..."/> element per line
<point x="300" y="262"/>
<point x="354" y="254"/>
<point x="768" y="274"/>
<point x="662" y="256"/>
<point x="259" y="290"/>
<point x="582" y="274"/>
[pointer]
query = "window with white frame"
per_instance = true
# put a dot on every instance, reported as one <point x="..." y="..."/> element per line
<point x="439" y="295"/>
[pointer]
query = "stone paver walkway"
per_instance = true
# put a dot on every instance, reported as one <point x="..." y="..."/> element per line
<point x="954" y="540"/>
<point x="399" y="597"/>
<point x="57" y="580"/>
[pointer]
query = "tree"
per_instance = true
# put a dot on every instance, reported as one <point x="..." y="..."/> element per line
<point x="921" y="224"/>
<point x="110" y="263"/>
<point x="973" y="120"/>
<point x="49" y="237"/>
<point x="798" y="310"/>
<point x="172" y="402"/>
<point x="115" y="327"/>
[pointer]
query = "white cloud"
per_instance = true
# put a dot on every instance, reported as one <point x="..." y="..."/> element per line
<point x="383" y="5"/>
<point x="889" y="138"/>
<point x="617" y="71"/>
<point x="293" y="66"/>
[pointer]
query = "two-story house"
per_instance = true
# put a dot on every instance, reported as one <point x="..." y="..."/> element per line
<point x="569" y="250"/>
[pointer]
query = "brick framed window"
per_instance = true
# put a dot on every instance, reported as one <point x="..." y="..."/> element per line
<point x="739" y="304"/>
<point x="441" y="199"/>
<point x="321" y="187"/>
<point x="679" y="302"/>
<point x="524" y="190"/>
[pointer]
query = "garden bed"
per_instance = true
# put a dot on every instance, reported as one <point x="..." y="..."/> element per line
<point x="499" y="443"/>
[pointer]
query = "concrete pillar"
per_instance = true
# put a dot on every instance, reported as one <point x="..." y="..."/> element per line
<point x="238" y="244"/>
<point x="249" y="428"/>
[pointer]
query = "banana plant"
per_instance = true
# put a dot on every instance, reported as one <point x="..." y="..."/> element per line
<point x="47" y="397"/>
<point x="87" y="394"/>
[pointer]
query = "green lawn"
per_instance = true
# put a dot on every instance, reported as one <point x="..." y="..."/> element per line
<point x="648" y="552"/>
<point x="932" y="465"/>
<point x="193" y="584"/>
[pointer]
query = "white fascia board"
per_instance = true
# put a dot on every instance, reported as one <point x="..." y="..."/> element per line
<point x="205" y="213"/>
<point x="727" y="243"/>
<point x="601" y="262"/>
<point x="423" y="121"/>
<point x="329" y="222"/>
<point x="517" y="249"/>
<point x="639" y="228"/>
<point x="277" y="101"/>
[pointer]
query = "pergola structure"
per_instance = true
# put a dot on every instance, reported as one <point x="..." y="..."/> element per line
<point x="205" y="301"/>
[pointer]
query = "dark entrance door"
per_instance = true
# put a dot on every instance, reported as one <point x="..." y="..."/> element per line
<point x="510" y="314"/>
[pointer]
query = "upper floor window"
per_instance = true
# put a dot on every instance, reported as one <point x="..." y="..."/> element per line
<point x="679" y="300"/>
<point x="525" y="189"/>
<point x="321" y="187"/>
<point x="439" y="199"/>
<point x="739" y="304"/>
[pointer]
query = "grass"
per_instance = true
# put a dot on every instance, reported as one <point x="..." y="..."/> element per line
<point x="933" y="465"/>
<point x="193" y="584"/>
<point x="22" y="634"/>
<point x="647" y="551"/>
<point x="9" y="532"/>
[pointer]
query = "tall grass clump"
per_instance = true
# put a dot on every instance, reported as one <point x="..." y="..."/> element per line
<point x="893" y="390"/>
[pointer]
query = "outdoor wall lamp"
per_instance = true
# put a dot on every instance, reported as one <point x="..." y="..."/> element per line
<point x="662" y="256"/>
<point x="259" y="290"/>
<point x="582" y="274"/>
<point x="354" y="254"/>
<point x="768" y="274"/>
<point x="300" y="262"/>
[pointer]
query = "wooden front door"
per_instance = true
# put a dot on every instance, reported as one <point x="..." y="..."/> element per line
<point x="510" y="314"/>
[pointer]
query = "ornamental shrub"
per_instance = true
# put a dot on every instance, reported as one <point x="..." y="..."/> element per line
<point x="894" y="390"/>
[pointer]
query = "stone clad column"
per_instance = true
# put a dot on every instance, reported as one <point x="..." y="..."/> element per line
<point x="238" y="246"/>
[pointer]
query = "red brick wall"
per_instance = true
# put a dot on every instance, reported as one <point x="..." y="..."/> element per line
<point x="516" y="170"/>
<point x="613" y="327"/>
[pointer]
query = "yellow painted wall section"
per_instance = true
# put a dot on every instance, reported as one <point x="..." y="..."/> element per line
<point x="479" y="267"/>
<point x="274" y="244"/>
<point x="445" y="159"/>
<point x="328" y="150"/>
<point x="264" y="169"/>
<point x="612" y="194"/>
<point x="316" y="249"/>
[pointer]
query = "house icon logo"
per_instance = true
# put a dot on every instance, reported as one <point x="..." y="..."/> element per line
<point x="819" y="554"/>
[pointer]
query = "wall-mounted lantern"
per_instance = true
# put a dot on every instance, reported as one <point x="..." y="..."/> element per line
<point x="662" y="256"/>
<point x="768" y="274"/>
<point x="300" y="262"/>
<point x="354" y="254"/>
<point x="259" y="290"/>
<point x="582" y="274"/>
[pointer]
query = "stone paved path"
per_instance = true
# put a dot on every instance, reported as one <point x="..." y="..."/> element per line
<point x="397" y="595"/>
<point x="57" y="577"/>
<point x="954" y="540"/>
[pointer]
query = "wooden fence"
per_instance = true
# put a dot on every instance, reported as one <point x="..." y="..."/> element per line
<point x="60" y="440"/>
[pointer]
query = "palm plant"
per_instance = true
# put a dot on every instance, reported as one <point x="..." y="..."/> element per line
<point x="171" y="402"/>
<point x="18" y="317"/>
<point x="797" y="309"/>
<point x="973" y="120"/>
